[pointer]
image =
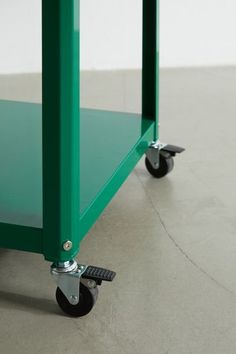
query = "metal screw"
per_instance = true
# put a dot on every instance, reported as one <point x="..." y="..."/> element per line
<point x="67" y="245"/>
<point x="74" y="299"/>
<point x="91" y="284"/>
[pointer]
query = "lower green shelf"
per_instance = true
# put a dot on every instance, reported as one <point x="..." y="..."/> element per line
<point x="106" y="140"/>
<point x="111" y="144"/>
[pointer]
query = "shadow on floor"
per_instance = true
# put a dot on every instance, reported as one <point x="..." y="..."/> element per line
<point x="28" y="303"/>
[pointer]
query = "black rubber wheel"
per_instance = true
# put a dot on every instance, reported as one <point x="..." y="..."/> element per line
<point x="166" y="164"/>
<point x="87" y="300"/>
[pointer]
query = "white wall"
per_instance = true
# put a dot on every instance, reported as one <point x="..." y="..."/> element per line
<point x="193" y="33"/>
<point x="198" y="32"/>
<point x="20" y="49"/>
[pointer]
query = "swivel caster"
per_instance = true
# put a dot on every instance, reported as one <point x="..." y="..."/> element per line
<point x="165" y="166"/>
<point x="159" y="159"/>
<point x="77" y="290"/>
<point x="87" y="299"/>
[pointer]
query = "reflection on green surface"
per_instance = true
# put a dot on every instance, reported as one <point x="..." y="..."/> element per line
<point x="21" y="163"/>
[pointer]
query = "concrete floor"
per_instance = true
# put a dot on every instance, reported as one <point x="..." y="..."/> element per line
<point x="171" y="241"/>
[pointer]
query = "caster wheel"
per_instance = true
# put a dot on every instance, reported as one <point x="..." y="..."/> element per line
<point x="166" y="164"/>
<point x="87" y="300"/>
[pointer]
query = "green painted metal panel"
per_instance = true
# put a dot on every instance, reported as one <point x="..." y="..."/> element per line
<point x="106" y="139"/>
<point x="21" y="164"/>
<point x="150" y="74"/>
<point x="21" y="238"/>
<point x="123" y="169"/>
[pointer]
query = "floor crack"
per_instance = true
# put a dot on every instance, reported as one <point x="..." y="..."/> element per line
<point x="180" y="249"/>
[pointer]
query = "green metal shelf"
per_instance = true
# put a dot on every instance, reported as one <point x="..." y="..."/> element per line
<point x="118" y="141"/>
<point x="108" y="153"/>
<point x="104" y="147"/>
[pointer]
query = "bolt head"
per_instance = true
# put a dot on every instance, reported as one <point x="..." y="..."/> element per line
<point x="74" y="299"/>
<point x="91" y="284"/>
<point x="67" y="246"/>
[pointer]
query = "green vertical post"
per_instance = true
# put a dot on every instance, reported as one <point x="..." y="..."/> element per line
<point x="150" y="74"/>
<point x="60" y="33"/>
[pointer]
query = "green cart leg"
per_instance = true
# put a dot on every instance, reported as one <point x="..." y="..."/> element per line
<point x="159" y="157"/>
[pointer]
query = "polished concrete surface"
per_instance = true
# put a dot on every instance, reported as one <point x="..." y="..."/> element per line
<point x="172" y="242"/>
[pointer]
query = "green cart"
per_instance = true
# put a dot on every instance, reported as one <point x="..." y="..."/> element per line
<point x="50" y="195"/>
